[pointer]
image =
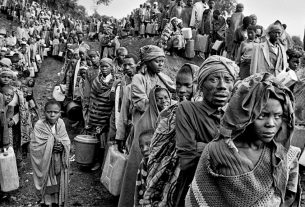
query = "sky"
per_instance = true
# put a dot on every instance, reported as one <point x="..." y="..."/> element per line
<point x="290" y="12"/>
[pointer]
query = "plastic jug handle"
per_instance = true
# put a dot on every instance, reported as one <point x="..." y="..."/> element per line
<point x="5" y="152"/>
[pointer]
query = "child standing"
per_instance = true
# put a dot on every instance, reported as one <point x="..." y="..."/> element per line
<point x="50" y="148"/>
<point x="245" y="52"/>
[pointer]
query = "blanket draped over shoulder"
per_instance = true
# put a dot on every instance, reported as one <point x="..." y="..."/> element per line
<point x="224" y="177"/>
<point x="146" y="122"/>
<point x="47" y="166"/>
<point x="163" y="166"/>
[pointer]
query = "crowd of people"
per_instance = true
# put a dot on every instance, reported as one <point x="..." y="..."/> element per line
<point x="192" y="141"/>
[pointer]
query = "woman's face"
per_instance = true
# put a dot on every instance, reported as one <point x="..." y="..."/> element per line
<point x="162" y="99"/>
<point x="156" y="65"/>
<point x="294" y="63"/>
<point x="269" y="121"/>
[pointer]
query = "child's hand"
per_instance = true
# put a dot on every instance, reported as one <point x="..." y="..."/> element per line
<point x="58" y="147"/>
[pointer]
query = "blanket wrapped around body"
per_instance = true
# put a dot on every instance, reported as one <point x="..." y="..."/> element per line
<point x="50" y="170"/>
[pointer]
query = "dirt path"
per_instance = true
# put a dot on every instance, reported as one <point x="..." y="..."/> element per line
<point x="85" y="188"/>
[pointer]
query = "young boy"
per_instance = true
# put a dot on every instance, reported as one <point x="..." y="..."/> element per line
<point x="50" y="148"/>
<point x="144" y="143"/>
<point x="245" y="52"/>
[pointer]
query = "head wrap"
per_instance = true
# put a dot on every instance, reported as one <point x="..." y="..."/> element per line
<point x="274" y="27"/>
<point x="6" y="71"/>
<point x="215" y="64"/>
<point x="179" y="21"/>
<point x="240" y="5"/>
<point x="150" y="52"/>
<point x="93" y="53"/>
<point x="249" y="98"/>
<point x="253" y="16"/>
<point x="107" y="61"/>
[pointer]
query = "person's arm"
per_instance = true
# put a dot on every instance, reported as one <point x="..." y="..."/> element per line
<point x="139" y="97"/>
<point x="193" y="17"/>
<point x="239" y="53"/>
<point x="186" y="143"/>
<point x="87" y="89"/>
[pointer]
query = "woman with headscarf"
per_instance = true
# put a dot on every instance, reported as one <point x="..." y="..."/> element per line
<point x="100" y="106"/>
<point x="163" y="167"/>
<point x="253" y="149"/>
<point x="270" y="55"/>
<point x="146" y="122"/>
<point x="197" y="123"/>
<point x="150" y="75"/>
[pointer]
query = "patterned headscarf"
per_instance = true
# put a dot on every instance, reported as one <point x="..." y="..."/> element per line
<point x="107" y="61"/>
<point x="150" y="52"/>
<point x="249" y="97"/>
<point x="216" y="64"/>
<point x="6" y="71"/>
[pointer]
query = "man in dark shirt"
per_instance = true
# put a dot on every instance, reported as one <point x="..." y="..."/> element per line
<point x="198" y="122"/>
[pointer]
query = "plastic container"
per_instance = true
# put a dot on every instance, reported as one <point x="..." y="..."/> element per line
<point x="84" y="149"/>
<point x="149" y="28"/>
<point x="58" y="93"/>
<point x="9" y="179"/>
<point x="113" y="171"/>
<point x="187" y="33"/>
<point x="189" y="49"/>
<point x="74" y="111"/>
<point x="2" y="31"/>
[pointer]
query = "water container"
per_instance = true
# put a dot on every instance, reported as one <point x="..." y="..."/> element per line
<point x="189" y="49"/>
<point x="9" y="179"/>
<point x="74" y="111"/>
<point x="187" y="33"/>
<point x="32" y="71"/>
<point x="149" y="28"/>
<point x="113" y="171"/>
<point x="84" y="149"/>
<point x="142" y="29"/>
<point x="3" y="31"/>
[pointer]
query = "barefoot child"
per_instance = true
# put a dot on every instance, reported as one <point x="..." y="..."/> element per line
<point x="50" y="148"/>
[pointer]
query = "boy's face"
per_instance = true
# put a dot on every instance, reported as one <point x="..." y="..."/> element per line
<point x="105" y="69"/>
<point x="8" y="96"/>
<point x="251" y="34"/>
<point x="52" y="113"/>
<point x="189" y="2"/>
<point x="129" y="66"/>
<point x="83" y="73"/>
<point x="82" y="55"/>
<point x="144" y="144"/>
<point x="211" y="4"/>
<point x="162" y="100"/>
